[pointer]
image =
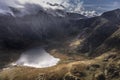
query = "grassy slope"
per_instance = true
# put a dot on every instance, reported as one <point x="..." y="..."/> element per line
<point x="105" y="66"/>
<point x="74" y="66"/>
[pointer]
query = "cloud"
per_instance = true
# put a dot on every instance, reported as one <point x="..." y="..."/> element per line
<point x="4" y="6"/>
<point x="76" y="6"/>
<point x="69" y="5"/>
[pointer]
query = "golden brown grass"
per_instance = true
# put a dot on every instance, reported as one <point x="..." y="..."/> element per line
<point x="76" y="70"/>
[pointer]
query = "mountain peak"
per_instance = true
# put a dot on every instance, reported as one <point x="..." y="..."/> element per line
<point x="113" y="15"/>
<point x="113" y="11"/>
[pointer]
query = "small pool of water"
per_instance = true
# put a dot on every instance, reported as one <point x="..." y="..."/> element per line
<point x="36" y="57"/>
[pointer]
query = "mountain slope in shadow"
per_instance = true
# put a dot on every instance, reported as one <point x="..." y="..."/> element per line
<point x="101" y="30"/>
<point x="97" y="37"/>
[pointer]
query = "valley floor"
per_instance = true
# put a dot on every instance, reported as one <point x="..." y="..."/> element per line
<point x="104" y="67"/>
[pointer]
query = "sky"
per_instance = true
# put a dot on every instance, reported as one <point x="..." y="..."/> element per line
<point x="101" y="5"/>
<point x="79" y="6"/>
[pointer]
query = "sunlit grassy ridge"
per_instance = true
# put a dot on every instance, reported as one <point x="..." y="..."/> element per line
<point x="93" y="69"/>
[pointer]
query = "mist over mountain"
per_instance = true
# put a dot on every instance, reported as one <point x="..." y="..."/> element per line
<point x="59" y="40"/>
<point x="44" y="26"/>
<point x="84" y="7"/>
<point x="57" y="16"/>
<point x="67" y="6"/>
